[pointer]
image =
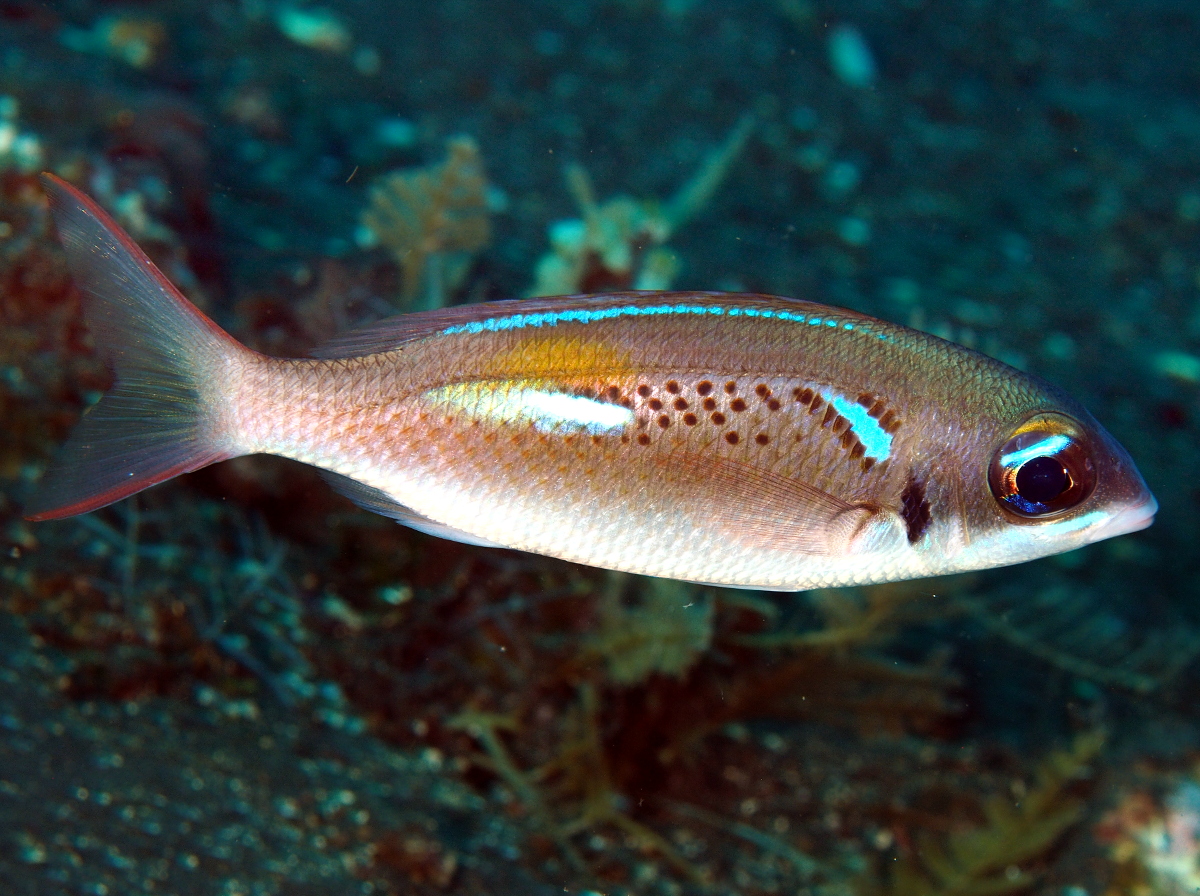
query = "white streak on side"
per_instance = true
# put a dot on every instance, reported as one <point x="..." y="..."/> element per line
<point x="548" y="410"/>
<point x="553" y="410"/>
<point x="876" y="441"/>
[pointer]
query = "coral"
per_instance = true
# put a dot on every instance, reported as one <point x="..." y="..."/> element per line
<point x="993" y="859"/>
<point x="1155" y="846"/>
<point x="620" y="244"/>
<point x="597" y="706"/>
<point x="19" y="150"/>
<point x="666" y="633"/>
<point x="853" y="617"/>
<point x="158" y="606"/>
<point x="318" y="29"/>
<point x="432" y="220"/>
<point x="44" y="363"/>
<point x="415" y="857"/>
<point x="1065" y="626"/>
<point x="576" y="783"/>
<point x="135" y="41"/>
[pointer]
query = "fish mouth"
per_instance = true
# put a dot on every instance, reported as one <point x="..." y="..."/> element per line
<point x="1132" y="519"/>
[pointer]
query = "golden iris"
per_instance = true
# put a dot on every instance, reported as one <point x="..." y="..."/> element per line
<point x="1043" y="469"/>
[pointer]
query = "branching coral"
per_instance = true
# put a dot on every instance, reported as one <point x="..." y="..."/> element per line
<point x="1064" y="626"/>
<point x="992" y="859"/>
<point x="665" y="633"/>
<point x="853" y="617"/>
<point x="1155" y="843"/>
<point x="432" y="220"/>
<point x="619" y="244"/>
<point x="600" y="709"/>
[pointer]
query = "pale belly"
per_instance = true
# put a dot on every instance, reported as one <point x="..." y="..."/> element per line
<point x="741" y="481"/>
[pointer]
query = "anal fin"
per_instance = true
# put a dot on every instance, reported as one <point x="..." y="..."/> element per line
<point x="377" y="501"/>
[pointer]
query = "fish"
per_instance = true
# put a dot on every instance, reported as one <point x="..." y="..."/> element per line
<point x="730" y="439"/>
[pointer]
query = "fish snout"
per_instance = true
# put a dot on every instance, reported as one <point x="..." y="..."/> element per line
<point x="1133" y="518"/>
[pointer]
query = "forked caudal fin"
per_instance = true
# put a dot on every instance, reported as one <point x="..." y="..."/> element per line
<point x="168" y="360"/>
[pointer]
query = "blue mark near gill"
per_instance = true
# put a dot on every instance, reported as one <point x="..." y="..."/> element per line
<point x="592" y="315"/>
<point x="876" y="441"/>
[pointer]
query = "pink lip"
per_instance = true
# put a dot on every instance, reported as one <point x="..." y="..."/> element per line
<point x="1132" y="519"/>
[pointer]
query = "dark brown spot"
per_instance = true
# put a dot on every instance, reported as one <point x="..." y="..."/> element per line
<point x="840" y="424"/>
<point x="627" y="402"/>
<point x="596" y="440"/>
<point x="643" y="390"/>
<point x="681" y="404"/>
<point x="866" y="399"/>
<point x="914" y="509"/>
<point x="643" y="439"/>
<point x="858" y="450"/>
<point x="774" y="404"/>
<point x="710" y="404"/>
<point x="673" y="387"/>
<point x="888" y="421"/>
<point x="664" y="421"/>
<point x="655" y="404"/>
<point x="704" y="387"/>
<point x="691" y="419"/>
<point x="804" y="396"/>
<point x="718" y="418"/>
<point x="614" y="392"/>
<point x="762" y="438"/>
<point x="831" y="414"/>
<point x="731" y="438"/>
<point x="877" y="408"/>
<point x="848" y="438"/>
<point x="815" y="404"/>
<point x="730" y="387"/>
<point x="737" y="405"/>
<point x="867" y="463"/>
<point x="762" y="390"/>
<point x="625" y="438"/>
<point x="587" y="392"/>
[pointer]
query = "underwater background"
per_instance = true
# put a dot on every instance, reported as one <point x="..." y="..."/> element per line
<point x="237" y="683"/>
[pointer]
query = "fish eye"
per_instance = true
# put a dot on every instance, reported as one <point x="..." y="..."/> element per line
<point x="1043" y="469"/>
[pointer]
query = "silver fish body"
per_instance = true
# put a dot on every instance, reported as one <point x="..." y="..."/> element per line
<point x="739" y="440"/>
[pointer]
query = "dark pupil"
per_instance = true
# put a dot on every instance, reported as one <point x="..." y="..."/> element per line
<point x="1041" y="480"/>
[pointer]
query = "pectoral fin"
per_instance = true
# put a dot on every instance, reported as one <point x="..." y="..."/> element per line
<point x="758" y="507"/>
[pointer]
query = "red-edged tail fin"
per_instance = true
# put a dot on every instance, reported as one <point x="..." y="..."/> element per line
<point x="168" y="360"/>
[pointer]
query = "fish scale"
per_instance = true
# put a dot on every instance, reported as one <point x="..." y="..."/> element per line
<point x="735" y="439"/>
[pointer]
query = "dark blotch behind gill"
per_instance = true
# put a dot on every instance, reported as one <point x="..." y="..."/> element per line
<point x="914" y="509"/>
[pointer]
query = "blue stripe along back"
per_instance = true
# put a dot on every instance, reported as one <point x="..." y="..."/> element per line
<point x="587" y="316"/>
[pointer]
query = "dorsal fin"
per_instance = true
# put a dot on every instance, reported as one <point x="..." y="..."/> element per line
<point x="387" y="335"/>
